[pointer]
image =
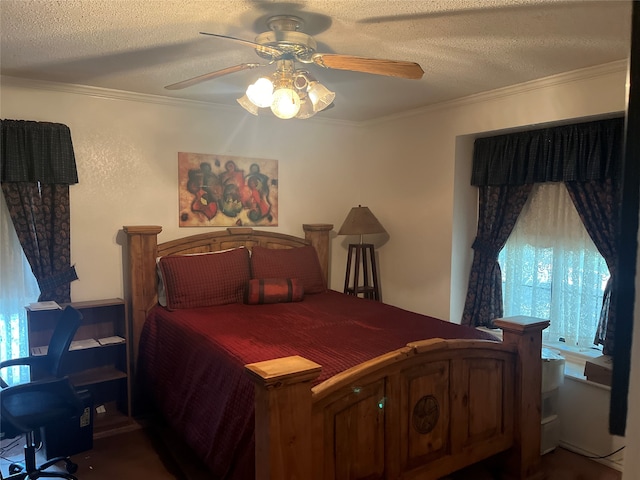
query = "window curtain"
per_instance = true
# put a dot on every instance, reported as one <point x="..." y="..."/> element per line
<point x="499" y="207"/>
<point x="580" y="152"/>
<point x="37" y="165"/>
<point x="18" y="288"/>
<point x="563" y="274"/>
<point x="598" y="204"/>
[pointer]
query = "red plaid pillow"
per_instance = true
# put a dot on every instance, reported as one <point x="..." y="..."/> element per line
<point x="193" y="281"/>
<point x="273" y="290"/>
<point x="301" y="263"/>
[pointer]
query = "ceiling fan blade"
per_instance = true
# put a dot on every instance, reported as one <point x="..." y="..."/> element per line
<point x="261" y="48"/>
<point x="211" y="75"/>
<point x="392" y="68"/>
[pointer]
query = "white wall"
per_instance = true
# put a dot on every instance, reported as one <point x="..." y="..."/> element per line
<point x="422" y="193"/>
<point x="127" y="151"/>
<point x="583" y="411"/>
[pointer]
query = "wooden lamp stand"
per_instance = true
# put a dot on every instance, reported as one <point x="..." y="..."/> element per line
<point x="361" y="257"/>
<point x="364" y="257"/>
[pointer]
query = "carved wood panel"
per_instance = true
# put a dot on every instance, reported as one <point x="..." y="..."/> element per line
<point x="484" y="402"/>
<point x="354" y="432"/>
<point x="425" y="413"/>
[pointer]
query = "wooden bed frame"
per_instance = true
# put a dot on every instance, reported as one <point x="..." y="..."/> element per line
<point x="420" y="412"/>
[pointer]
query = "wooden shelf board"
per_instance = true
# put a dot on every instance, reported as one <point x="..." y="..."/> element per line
<point x="95" y="303"/>
<point x="112" y="420"/>
<point x="96" y="375"/>
<point x="360" y="290"/>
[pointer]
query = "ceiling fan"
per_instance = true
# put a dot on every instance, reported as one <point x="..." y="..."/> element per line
<point x="292" y="91"/>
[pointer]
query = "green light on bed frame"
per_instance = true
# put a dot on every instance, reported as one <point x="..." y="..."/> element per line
<point x="381" y="402"/>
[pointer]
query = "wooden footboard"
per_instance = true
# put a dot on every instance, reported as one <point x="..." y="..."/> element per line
<point x="423" y="411"/>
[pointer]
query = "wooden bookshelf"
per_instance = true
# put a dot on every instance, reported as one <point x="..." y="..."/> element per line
<point x="103" y="370"/>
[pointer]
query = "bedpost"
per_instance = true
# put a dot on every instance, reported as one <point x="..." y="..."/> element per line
<point x="140" y="286"/>
<point x="525" y="333"/>
<point x="318" y="235"/>
<point x="283" y="417"/>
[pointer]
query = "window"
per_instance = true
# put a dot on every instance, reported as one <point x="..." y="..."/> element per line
<point x="551" y="269"/>
<point x="18" y="287"/>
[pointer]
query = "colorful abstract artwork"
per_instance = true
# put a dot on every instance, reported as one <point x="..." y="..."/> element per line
<point x="223" y="190"/>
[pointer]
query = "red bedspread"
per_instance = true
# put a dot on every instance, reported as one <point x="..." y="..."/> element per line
<point x="193" y="360"/>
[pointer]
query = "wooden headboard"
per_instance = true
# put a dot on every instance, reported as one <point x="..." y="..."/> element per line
<point x="141" y="286"/>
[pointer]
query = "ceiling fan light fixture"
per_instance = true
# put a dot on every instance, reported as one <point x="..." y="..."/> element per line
<point x="286" y="103"/>
<point x="286" y="46"/>
<point x="260" y="93"/>
<point x="248" y="105"/>
<point x="321" y="97"/>
<point x="301" y="80"/>
<point x="306" y="109"/>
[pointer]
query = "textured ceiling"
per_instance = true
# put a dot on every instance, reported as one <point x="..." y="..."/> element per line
<point x="464" y="46"/>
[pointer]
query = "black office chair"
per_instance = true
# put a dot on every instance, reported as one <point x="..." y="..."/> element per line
<point x="27" y="407"/>
<point x="50" y="365"/>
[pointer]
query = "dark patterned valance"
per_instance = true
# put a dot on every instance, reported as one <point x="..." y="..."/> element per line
<point x="36" y="152"/>
<point x="577" y="152"/>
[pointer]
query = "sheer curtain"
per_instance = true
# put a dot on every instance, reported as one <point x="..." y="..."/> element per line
<point x="18" y="287"/>
<point x="551" y="268"/>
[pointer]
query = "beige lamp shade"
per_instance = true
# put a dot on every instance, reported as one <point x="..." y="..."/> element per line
<point x="361" y="221"/>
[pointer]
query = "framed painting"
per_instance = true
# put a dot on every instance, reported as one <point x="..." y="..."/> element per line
<point x="223" y="190"/>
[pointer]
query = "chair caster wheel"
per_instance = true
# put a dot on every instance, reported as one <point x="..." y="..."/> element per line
<point x="15" y="468"/>
<point x="72" y="467"/>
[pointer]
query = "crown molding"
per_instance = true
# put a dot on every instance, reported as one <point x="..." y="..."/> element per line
<point x="618" y="66"/>
<point x="113" y="94"/>
<point x="546" y="82"/>
<point x="100" y="92"/>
